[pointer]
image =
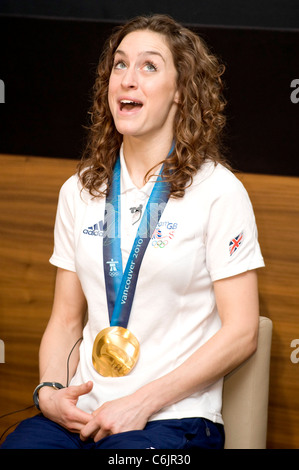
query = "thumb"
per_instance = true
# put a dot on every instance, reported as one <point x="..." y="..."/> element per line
<point x="77" y="390"/>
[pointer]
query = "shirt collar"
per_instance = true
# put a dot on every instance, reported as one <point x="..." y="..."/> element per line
<point x="126" y="182"/>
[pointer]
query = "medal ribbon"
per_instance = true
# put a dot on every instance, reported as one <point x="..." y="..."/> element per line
<point x="120" y="287"/>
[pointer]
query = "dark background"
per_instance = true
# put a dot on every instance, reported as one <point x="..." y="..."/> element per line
<point x="49" y="51"/>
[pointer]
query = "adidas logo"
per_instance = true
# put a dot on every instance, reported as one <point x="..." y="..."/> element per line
<point x="97" y="230"/>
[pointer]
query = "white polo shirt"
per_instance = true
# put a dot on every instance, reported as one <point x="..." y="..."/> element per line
<point x="207" y="235"/>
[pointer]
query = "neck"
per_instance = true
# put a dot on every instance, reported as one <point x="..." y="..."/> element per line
<point x="142" y="156"/>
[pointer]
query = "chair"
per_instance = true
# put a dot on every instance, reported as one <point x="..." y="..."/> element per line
<point x="245" y="396"/>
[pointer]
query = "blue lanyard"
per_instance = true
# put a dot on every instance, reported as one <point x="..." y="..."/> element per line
<point x="120" y="287"/>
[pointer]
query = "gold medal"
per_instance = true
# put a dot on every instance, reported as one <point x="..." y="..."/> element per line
<point x="115" y="352"/>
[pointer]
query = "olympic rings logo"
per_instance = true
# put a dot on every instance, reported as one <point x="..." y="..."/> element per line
<point x="159" y="243"/>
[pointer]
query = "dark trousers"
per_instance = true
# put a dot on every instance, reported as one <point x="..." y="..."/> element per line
<point x="41" y="433"/>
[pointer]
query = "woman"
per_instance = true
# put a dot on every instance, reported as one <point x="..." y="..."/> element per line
<point x="156" y="380"/>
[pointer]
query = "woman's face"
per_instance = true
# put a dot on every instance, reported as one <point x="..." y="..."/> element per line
<point x="142" y="91"/>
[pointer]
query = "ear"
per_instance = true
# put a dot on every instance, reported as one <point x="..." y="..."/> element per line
<point x="177" y="97"/>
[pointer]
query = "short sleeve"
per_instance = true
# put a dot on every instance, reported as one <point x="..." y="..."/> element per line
<point x="64" y="247"/>
<point x="232" y="245"/>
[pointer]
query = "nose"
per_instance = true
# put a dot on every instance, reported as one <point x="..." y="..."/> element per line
<point x="130" y="78"/>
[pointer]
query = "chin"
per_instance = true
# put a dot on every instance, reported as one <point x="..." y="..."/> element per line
<point x="127" y="131"/>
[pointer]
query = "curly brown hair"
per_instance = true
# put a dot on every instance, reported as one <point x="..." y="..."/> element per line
<point x="199" y="119"/>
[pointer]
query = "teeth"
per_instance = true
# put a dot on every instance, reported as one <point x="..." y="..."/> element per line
<point x="130" y="102"/>
<point x="134" y="103"/>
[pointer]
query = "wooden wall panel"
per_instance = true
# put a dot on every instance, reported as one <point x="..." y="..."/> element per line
<point x="28" y="197"/>
<point x="276" y="204"/>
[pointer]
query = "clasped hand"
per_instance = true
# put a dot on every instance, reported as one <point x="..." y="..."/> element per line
<point x="120" y="415"/>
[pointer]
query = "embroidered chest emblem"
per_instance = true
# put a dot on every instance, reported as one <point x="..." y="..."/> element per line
<point x="163" y="234"/>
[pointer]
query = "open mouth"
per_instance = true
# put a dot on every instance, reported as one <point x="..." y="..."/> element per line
<point x="128" y="105"/>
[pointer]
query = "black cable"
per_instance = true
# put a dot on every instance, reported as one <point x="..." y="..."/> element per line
<point x="33" y="406"/>
<point x="12" y="413"/>
<point x="17" y="411"/>
<point x="7" y="429"/>
<point x="68" y="360"/>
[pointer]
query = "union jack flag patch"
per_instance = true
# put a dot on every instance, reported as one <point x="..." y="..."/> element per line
<point x="235" y="243"/>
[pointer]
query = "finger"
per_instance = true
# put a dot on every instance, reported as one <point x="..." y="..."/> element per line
<point x="81" y="417"/>
<point x="82" y="389"/>
<point x="75" y="419"/>
<point x="76" y="426"/>
<point x="101" y="434"/>
<point x="89" y="430"/>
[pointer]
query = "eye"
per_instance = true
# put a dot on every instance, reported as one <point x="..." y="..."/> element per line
<point x="150" y="67"/>
<point x="119" y="65"/>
